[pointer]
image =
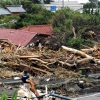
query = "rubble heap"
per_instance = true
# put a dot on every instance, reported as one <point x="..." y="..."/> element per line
<point x="64" y="63"/>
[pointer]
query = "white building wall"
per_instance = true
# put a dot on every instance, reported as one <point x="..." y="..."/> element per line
<point x="74" y="5"/>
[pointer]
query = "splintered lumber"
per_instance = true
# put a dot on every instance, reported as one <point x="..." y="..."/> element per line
<point x="12" y="46"/>
<point x="75" y="51"/>
<point x="90" y="49"/>
<point x="73" y="29"/>
<point x="96" y="56"/>
<point x="32" y="87"/>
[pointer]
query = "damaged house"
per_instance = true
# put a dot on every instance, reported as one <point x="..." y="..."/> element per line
<point x="43" y="31"/>
<point x="27" y="35"/>
<point x="17" y="37"/>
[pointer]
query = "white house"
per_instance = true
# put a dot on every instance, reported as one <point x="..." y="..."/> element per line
<point x="54" y="6"/>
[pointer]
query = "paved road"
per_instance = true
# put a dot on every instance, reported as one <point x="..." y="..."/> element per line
<point x="95" y="96"/>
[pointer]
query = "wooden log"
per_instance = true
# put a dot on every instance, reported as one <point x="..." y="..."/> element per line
<point x="32" y="87"/>
<point x="88" y="50"/>
<point x="34" y="68"/>
<point x="73" y="29"/>
<point x="67" y="64"/>
<point x="41" y="61"/>
<point x="75" y="51"/>
<point x="95" y="48"/>
<point x="84" y="60"/>
<point x="40" y="70"/>
<point x="33" y="56"/>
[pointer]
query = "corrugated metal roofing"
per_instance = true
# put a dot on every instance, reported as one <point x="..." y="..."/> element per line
<point x="40" y="29"/>
<point x="17" y="36"/>
<point x="4" y="12"/>
<point x="15" y="9"/>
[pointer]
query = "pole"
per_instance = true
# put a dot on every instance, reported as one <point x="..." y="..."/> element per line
<point x="97" y="5"/>
<point x="42" y="3"/>
<point x="62" y="3"/>
<point x="46" y="89"/>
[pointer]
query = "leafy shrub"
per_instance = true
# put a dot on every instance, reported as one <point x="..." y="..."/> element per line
<point x="75" y="42"/>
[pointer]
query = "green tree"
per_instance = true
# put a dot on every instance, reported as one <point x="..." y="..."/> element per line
<point x="75" y="42"/>
<point x="65" y="19"/>
<point x="91" y="5"/>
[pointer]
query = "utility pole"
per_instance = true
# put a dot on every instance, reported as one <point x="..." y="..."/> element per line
<point x="42" y="3"/>
<point x="62" y="3"/>
<point x="97" y="5"/>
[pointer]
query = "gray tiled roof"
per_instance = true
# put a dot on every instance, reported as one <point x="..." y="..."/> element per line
<point x="15" y="9"/>
<point x="4" y="11"/>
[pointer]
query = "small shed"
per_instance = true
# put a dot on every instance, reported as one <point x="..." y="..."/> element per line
<point x="15" y="9"/>
<point x="43" y="31"/>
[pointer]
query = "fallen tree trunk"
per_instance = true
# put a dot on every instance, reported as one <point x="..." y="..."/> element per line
<point x="80" y="53"/>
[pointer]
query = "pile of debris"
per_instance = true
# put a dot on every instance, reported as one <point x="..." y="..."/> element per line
<point x="66" y="63"/>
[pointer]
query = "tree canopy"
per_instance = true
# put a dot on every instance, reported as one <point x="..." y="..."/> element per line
<point x="68" y="23"/>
